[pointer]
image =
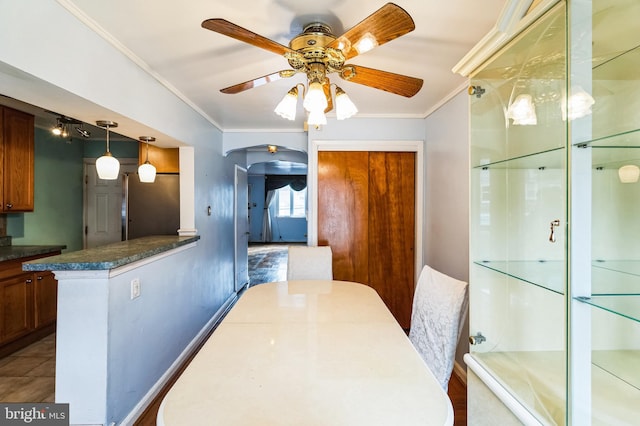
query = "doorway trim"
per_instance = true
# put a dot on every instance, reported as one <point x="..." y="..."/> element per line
<point x="374" y="146"/>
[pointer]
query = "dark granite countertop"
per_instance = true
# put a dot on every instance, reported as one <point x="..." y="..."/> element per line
<point x="109" y="256"/>
<point x="17" y="252"/>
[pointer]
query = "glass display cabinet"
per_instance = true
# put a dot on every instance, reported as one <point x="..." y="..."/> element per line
<point x="555" y="218"/>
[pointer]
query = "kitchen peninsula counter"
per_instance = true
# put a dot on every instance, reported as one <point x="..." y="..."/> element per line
<point x="11" y="252"/>
<point x="123" y="309"/>
<point x="110" y="256"/>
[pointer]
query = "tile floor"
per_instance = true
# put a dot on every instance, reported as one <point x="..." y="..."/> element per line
<point x="29" y="374"/>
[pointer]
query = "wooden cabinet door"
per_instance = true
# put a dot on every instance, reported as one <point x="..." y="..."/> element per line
<point x="45" y="294"/>
<point x="366" y="213"/>
<point x="392" y="230"/>
<point x="18" y="161"/>
<point x="343" y="204"/>
<point x="17" y="304"/>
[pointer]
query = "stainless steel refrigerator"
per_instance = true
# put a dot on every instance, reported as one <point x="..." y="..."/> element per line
<point x="151" y="208"/>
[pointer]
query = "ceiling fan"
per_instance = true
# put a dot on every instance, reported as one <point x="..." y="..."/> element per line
<point x="317" y="52"/>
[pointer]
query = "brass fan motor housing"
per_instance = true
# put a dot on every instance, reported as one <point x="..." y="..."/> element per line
<point x="310" y="48"/>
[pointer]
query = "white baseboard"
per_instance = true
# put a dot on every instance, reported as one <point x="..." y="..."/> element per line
<point x="173" y="369"/>
<point x="460" y="371"/>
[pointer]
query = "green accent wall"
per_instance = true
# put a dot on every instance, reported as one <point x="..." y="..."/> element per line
<point x="119" y="149"/>
<point x="57" y="215"/>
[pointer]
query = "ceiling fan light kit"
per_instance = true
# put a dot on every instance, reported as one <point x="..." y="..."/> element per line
<point x="317" y="53"/>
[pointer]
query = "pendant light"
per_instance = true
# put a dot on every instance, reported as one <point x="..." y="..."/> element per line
<point x="629" y="173"/>
<point x="146" y="171"/>
<point x="107" y="166"/>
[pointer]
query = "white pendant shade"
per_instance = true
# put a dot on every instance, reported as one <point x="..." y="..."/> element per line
<point x="108" y="167"/>
<point x="147" y="173"/>
<point x="629" y="173"/>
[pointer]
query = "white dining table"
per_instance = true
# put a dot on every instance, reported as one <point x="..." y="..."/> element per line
<point x="307" y="353"/>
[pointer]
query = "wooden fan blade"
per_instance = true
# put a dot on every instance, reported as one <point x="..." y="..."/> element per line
<point x="387" y="23"/>
<point x="394" y="83"/>
<point x="232" y="30"/>
<point x="257" y="82"/>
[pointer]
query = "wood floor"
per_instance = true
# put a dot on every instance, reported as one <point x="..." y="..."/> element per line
<point x="36" y="364"/>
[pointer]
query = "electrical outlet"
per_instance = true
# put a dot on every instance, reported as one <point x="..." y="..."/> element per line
<point x="135" y="288"/>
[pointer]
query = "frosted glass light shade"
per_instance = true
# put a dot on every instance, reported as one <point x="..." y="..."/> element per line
<point x="345" y="108"/>
<point x="147" y="173"/>
<point x="287" y="106"/>
<point x="629" y="173"/>
<point x="317" y="118"/>
<point x="522" y="111"/>
<point x="315" y="101"/>
<point x="108" y="167"/>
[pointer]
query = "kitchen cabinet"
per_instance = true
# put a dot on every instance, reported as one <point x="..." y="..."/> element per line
<point x="554" y="258"/>
<point x="165" y="160"/>
<point x="17" y="160"/>
<point x="27" y="301"/>
<point x="45" y="297"/>
<point x="17" y="307"/>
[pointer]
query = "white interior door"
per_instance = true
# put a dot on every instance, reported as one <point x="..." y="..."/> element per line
<point x="103" y="206"/>
<point x="241" y="222"/>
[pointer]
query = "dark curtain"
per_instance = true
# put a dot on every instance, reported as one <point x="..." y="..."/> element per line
<point x="273" y="182"/>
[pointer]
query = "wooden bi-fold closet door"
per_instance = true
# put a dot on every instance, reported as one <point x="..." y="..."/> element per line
<point x="366" y="213"/>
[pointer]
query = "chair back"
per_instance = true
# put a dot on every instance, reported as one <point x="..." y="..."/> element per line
<point x="439" y="309"/>
<point x="309" y="263"/>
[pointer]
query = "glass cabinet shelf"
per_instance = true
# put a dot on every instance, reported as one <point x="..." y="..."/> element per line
<point x="615" y="277"/>
<point x="626" y="139"/>
<point x="547" y="274"/>
<point x="552" y="159"/>
<point x="608" y="278"/>
<point x="627" y="306"/>
<point x="617" y="66"/>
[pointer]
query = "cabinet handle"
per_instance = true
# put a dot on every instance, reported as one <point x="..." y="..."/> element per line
<point x="9" y="206"/>
<point x="28" y="280"/>
<point x="39" y="277"/>
<point x="554" y="223"/>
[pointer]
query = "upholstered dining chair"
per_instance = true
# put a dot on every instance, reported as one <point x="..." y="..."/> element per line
<point x="439" y="310"/>
<point x="309" y="263"/>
